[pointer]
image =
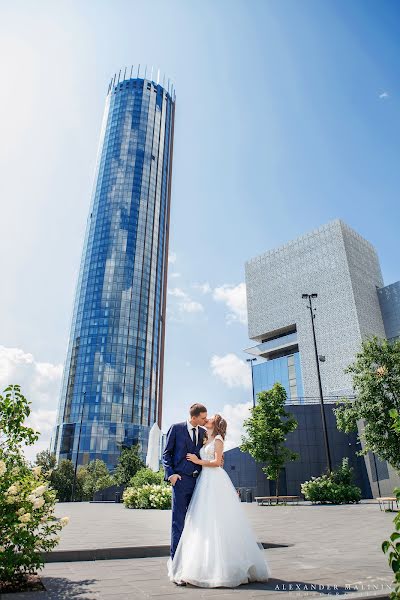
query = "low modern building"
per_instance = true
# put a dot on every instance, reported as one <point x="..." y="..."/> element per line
<point x="389" y="300"/>
<point x="307" y="441"/>
<point x="342" y="269"/>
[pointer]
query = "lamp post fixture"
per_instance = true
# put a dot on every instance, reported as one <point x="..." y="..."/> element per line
<point x="77" y="450"/>
<point x="309" y="297"/>
<point x="251" y="360"/>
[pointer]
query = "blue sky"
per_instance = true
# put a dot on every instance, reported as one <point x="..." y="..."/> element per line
<point x="287" y="116"/>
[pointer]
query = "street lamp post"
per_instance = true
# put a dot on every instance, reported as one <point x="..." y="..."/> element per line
<point x="324" y="428"/>
<point x="251" y="360"/>
<point x="376" y="474"/>
<point x="77" y="451"/>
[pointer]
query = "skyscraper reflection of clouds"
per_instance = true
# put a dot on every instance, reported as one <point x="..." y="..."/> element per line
<point x="111" y="391"/>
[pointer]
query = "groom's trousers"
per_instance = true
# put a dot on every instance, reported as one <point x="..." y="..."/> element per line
<point x="181" y="494"/>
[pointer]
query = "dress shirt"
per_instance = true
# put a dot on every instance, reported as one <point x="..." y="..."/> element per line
<point x="190" y="430"/>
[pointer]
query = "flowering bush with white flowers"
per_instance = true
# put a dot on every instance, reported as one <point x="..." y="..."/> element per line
<point x="28" y="525"/>
<point x="148" y="496"/>
<point x="335" y="487"/>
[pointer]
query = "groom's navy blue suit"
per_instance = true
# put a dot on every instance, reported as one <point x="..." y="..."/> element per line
<point x="178" y="444"/>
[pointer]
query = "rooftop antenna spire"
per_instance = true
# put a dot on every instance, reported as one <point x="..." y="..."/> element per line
<point x="138" y="70"/>
<point x="151" y="73"/>
<point x="145" y="71"/>
<point x="130" y="76"/>
<point x="124" y="73"/>
<point x="119" y="74"/>
<point x="158" y="76"/>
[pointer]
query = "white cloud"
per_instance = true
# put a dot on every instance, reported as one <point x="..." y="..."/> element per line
<point x="177" y="292"/>
<point x="40" y="384"/>
<point x="235" y="299"/>
<point x="174" y="275"/>
<point x="232" y="371"/>
<point x="204" y="288"/>
<point x="185" y="304"/>
<point x="235" y="415"/>
<point x="383" y="95"/>
<point x="190" y="306"/>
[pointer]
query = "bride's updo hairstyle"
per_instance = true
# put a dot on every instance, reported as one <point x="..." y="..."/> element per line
<point x="219" y="426"/>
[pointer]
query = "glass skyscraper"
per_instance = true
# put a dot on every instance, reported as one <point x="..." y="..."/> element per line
<point x="111" y="391"/>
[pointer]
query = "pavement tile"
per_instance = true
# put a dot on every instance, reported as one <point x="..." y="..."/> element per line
<point x="326" y="544"/>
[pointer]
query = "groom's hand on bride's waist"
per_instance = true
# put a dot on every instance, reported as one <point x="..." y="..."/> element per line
<point x="174" y="478"/>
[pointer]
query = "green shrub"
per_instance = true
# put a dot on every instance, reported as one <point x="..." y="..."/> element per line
<point x="148" y="496"/>
<point x="335" y="487"/>
<point x="392" y="548"/>
<point x="146" y="475"/>
<point x="28" y="525"/>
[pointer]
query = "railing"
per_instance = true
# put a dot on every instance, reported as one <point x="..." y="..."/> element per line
<point x="316" y="399"/>
<point x="279" y="342"/>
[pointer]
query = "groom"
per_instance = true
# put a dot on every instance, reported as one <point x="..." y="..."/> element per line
<point x="183" y="438"/>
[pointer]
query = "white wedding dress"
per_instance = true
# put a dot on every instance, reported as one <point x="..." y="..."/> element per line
<point x="218" y="547"/>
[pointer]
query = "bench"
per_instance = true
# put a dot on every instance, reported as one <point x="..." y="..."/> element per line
<point x="263" y="500"/>
<point x="387" y="500"/>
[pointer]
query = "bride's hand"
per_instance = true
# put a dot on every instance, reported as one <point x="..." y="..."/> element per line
<point x="193" y="458"/>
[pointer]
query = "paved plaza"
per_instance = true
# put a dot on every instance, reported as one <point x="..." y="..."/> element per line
<point x="310" y="548"/>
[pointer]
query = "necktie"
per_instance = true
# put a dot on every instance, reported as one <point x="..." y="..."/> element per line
<point x="194" y="436"/>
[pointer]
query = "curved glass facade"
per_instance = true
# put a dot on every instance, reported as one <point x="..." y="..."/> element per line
<point x="111" y="391"/>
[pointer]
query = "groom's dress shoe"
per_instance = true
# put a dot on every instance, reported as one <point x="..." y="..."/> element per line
<point x="180" y="583"/>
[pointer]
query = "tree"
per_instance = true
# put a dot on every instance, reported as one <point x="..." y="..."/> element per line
<point x="392" y="545"/>
<point x="128" y="465"/>
<point x="376" y="381"/>
<point x="94" y="477"/>
<point x="47" y="460"/>
<point x="266" y="431"/>
<point x="62" y="478"/>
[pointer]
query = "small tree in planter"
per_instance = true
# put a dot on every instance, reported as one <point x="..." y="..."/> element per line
<point x="266" y="431"/>
<point x="28" y="525"/>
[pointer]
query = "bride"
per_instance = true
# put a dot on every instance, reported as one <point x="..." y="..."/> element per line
<point x="217" y="547"/>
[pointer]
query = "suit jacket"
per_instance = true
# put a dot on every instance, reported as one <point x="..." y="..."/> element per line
<point x="178" y="444"/>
